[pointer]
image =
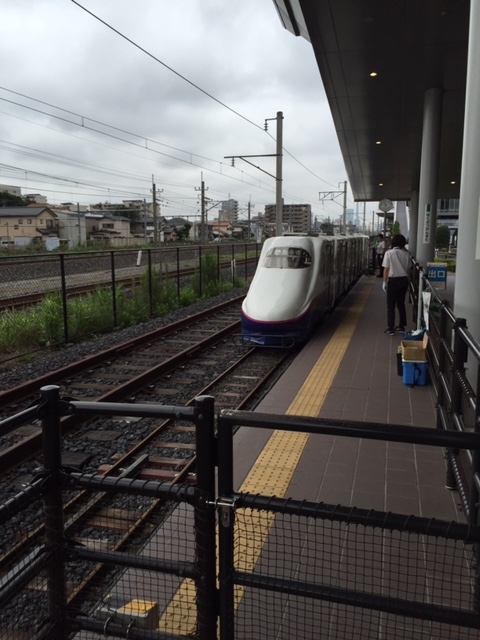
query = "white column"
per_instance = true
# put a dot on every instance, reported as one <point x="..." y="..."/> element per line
<point x="412" y="231"/>
<point x="467" y="288"/>
<point x="427" y="198"/>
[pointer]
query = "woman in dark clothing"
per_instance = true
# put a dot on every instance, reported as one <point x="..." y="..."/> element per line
<point x="396" y="276"/>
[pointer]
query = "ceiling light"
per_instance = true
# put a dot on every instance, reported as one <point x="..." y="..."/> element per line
<point x="453" y="182"/>
<point x="378" y="142"/>
<point x="380" y="184"/>
<point x="373" y="74"/>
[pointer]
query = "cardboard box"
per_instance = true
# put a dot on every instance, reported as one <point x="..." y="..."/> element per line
<point x="414" y="374"/>
<point x="415" y="350"/>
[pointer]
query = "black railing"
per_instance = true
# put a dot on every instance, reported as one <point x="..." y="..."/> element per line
<point x="454" y="366"/>
<point x="356" y="564"/>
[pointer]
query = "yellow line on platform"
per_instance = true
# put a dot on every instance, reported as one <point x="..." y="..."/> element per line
<point x="273" y="470"/>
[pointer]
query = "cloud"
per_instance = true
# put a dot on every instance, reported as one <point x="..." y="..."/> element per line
<point x="238" y="53"/>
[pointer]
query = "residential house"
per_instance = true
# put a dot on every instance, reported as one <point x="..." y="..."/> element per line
<point x="113" y="231"/>
<point x="71" y="227"/>
<point x="22" y="226"/>
<point x="221" y="229"/>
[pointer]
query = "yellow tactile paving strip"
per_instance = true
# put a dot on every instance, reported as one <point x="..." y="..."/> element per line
<point x="273" y="470"/>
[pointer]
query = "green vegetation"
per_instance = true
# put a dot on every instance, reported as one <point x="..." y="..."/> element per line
<point x="395" y="228"/>
<point x="442" y="236"/>
<point x="93" y="313"/>
<point x="451" y="264"/>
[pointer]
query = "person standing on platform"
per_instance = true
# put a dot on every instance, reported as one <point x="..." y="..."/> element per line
<point x="380" y="248"/>
<point x="396" y="276"/>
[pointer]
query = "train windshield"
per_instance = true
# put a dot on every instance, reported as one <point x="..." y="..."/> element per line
<point x="287" y="258"/>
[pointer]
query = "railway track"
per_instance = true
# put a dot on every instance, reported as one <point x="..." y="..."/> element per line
<point x="172" y="365"/>
<point x="116" y="373"/>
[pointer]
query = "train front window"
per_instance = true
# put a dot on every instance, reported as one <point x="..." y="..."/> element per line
<point x="287" y="258"/>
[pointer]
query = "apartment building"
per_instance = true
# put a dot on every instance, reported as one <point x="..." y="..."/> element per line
<point x="296" y="218"/>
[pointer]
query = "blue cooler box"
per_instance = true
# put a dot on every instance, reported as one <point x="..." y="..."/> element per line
<point x="414" y="373"/>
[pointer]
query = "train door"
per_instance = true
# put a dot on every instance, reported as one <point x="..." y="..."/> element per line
<point x="328" y="272"/>
<point x="341" y="266"/>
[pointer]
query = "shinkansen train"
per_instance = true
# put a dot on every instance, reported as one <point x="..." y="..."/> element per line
<point x="299" y="278"/>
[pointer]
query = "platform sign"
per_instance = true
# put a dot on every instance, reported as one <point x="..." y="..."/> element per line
<point x="437" y="274"/>
<point x="427" y="224"/>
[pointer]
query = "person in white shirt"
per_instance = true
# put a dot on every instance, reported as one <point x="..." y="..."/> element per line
<point x="380" y="249"/>
<point x="396" y="276"/>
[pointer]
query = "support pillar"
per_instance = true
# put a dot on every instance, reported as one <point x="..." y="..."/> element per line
<point x="413" y="224"/>
<point x="465" y="304"/>
<point x="427" y="199"/>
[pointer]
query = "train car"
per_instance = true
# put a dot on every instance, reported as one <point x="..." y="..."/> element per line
<point x="298" y="279"/>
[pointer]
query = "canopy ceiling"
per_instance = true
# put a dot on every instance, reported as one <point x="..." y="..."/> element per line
<point x="412" y="45"/>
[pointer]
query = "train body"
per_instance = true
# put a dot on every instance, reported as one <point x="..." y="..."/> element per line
<point x="298" y="279"/>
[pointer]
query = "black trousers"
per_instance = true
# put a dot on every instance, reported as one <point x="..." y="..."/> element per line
<point x="379" y="261"/>
<point x="396" y="291"/>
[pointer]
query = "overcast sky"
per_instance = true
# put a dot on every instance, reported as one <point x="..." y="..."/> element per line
<point x="109" y="106"/>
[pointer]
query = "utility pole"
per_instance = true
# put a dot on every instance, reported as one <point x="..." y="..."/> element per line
<point x="155" y="212"/>
<point x="278" y="176"/>
<point x="144" y="221"/>
<point x="154" y="200"/>
<point x="331" y="195"/>
<point x="79" y="226"/>
<point x="202" y="190"/>
<point x="278" y="199"/>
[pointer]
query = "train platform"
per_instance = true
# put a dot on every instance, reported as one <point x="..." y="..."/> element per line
<point x="348" y="371"/>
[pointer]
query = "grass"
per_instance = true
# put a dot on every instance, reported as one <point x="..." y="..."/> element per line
<point x="27" y="330"/>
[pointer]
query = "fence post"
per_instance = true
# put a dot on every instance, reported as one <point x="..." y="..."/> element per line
<point x="205" y="519"/>
<point x="53" y="509"/>
<point x="474" y="517"/>
<point x="178" y="273"/>
<point x="150" y="281"/>
<point x="114" y="297"/>
<point x="64" y="297"/>
<point x="226" y="528"/>
<point x="419" y="307"/>
<point x="450" y="481"/>
<point x="200" y="289"/>
<point x="459" y="358"/>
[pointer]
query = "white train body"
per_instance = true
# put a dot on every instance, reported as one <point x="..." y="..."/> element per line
<point x="297" y="280"/>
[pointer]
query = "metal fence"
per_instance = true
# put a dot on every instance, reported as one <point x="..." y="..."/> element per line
<point x="282" y="567"/>
<point x="454" y="369"/>
<point x="123" y="286"/>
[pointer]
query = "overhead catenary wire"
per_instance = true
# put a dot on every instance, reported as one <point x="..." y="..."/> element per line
<point x="147" y="141"/>
<point x="133" y="43"/>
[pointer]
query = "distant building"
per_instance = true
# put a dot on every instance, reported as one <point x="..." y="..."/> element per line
<point x="111" y="230"/>
<point x="296" y="218"/>
<point x="22" y="226"/>
<point x="221" y="229"/>
<point x="71" y="227"/>
<point x="74" y="206"/>
<point x="36" y="198"/>
<point x="13" y="191"/>
<point x="228" y="211"/>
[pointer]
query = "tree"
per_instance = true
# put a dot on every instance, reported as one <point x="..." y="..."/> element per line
<point x="395" y="228"/>
<point x="10" y="200"/>
<point x="183" y="232"/>
<point x="442" y="236"/>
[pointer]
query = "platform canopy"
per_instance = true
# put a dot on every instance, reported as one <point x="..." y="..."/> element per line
<point x="411" y="46"/>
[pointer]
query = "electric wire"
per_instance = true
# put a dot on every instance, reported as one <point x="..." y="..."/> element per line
<point x="133" y="43"/>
